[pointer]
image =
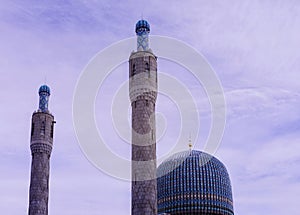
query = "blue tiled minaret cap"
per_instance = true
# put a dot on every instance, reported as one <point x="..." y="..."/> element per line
<point x="44" y="93"/>
<point x="142" y="26"/>
<point x="44" y="89"/>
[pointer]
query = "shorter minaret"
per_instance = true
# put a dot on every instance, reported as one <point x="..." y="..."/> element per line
<point x="42" y="129"/>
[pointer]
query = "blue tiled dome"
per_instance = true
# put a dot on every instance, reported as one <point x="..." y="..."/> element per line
<point x="44" y="88"/>
<point x="142" y="25"/>
<point x="193" y="182"/>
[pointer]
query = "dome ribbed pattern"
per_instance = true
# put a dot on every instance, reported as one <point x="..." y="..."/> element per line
<point x="142" y="25"/>
<point x="44" y="88"/>
<point x="194" y="182"/>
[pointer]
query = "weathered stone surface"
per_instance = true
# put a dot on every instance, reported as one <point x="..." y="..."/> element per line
<point x="41" y="147"/>
<point x="143" y="93"/>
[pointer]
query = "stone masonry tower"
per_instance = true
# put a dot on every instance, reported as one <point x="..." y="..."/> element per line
<point x="143" y="93"/>
<point x="42" y="129"/>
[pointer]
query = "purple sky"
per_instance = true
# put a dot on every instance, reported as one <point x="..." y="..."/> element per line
<point x="252" y="45"/>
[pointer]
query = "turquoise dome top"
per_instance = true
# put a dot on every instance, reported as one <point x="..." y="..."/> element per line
<point x="142" y="25"/>
<point x="45" y="89"/>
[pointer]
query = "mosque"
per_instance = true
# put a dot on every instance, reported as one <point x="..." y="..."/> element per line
<point x="188" y="182"/>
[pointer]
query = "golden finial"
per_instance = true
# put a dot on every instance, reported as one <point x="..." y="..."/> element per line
<point x="190" y="143"/>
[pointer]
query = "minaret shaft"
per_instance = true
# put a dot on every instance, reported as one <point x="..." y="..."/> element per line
<point x="143" y="93"/>
<point x="39" y="184"/>
<point x="144" y="185"/>
<point x="42" y="130"/>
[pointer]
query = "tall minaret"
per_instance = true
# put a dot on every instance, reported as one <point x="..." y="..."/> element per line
<point x="143" y="93"/>
<point x="41" y="146"/>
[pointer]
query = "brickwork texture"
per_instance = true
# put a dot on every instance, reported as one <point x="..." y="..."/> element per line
<point x="41" y="146"/>
<point x="143" y="93"/>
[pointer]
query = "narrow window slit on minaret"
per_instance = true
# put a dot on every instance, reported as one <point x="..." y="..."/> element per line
<point x="152" y="134"/>
<point x="133" y="70"/>
<point x="52" y="129"/>
<point x="43" y="128"/>
<point x="32" y="128"/>
<point x="148" y="69"/>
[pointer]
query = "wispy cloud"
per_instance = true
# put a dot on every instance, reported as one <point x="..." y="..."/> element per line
<point x="252" y="45"/>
